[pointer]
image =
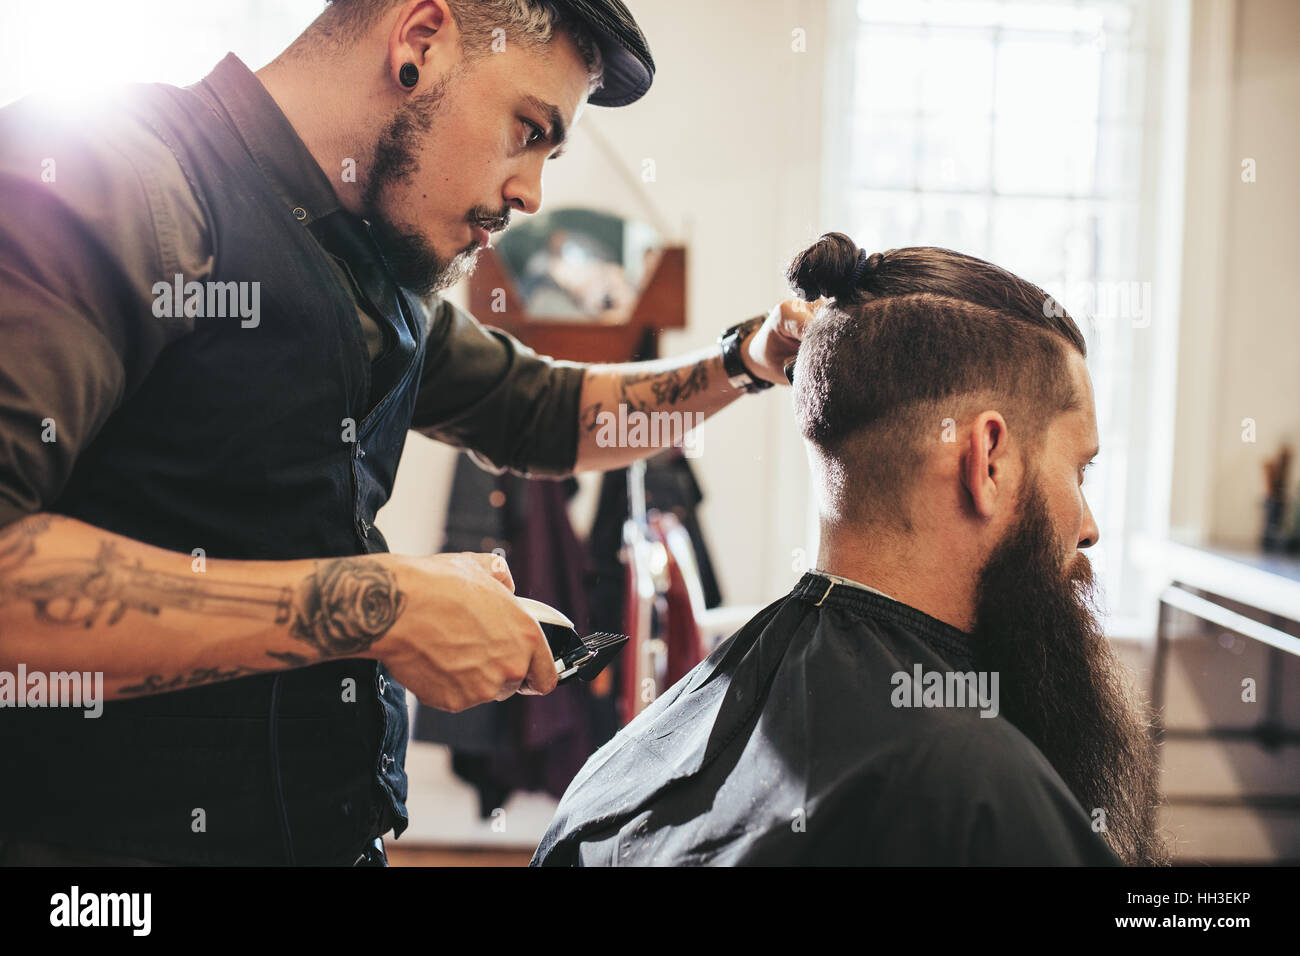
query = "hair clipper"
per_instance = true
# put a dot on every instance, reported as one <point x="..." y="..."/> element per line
<point x="574" y="656"/>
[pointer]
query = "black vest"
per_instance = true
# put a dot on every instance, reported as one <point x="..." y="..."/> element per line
<point x="235" y="444"/>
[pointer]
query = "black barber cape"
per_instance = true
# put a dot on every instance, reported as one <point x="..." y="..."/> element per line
<point x="789" y="745"/>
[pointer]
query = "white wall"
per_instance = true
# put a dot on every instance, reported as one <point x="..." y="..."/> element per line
<point x="1239" y="351"/>
<point x="733" y="127"/>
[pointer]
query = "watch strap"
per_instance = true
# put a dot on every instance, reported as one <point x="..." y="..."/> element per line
<point x="732" y="341"/>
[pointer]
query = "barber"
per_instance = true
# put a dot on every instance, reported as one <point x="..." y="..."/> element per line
<point x="219" y="315"/>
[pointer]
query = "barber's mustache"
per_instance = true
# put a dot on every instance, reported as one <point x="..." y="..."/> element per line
<point x="490" y="220"/>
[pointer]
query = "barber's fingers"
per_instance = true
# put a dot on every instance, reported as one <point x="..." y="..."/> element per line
<point x="542" y="677"/>
<point x="496" y="566"/>
<point x="792" y="316"/>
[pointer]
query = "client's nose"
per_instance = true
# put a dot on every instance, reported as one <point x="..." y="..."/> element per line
<point x="1089" y="534"/>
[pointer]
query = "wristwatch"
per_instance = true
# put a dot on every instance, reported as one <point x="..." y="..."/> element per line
<point x="738" y="373"/>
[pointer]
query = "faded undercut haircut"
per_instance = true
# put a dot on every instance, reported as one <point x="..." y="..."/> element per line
<point x="925" y="335"/>
<point x="529" y="22"/>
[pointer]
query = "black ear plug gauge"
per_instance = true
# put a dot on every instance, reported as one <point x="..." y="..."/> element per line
<point x="789" y="371"/>
<point x="574" y="656"/>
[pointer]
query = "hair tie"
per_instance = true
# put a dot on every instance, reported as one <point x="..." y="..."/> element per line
<point x="860" y="268"/>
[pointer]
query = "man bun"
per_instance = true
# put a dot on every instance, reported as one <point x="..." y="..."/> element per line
<point x="834" y="267"/>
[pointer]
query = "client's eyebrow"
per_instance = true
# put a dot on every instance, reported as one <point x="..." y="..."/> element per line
<point x="556" y="132"/>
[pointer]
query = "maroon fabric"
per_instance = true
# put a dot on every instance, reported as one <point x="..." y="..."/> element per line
<point x="680" y="632"/>
<point x="552" y="733"/>
<point x="682" y="635"/>
<point x="632" y="650"/>
<point x="673" y="621"/>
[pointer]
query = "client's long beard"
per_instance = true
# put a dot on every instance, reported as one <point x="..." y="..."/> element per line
<point x="1062" y="685"/>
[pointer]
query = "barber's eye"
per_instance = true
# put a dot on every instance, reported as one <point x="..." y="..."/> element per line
<point x="536" y="133"/>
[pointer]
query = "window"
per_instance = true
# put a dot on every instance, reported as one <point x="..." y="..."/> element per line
<point x="1032" y="134"/>
<point x="137" y="41"/>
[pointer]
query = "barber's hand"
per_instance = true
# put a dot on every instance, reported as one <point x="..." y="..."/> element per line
<point x="776" y="342"/>
<point x="462" y="639"/>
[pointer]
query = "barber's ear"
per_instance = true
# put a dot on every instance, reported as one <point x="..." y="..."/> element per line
<point x="415" y="33"/>
<point x="984" y="464"/>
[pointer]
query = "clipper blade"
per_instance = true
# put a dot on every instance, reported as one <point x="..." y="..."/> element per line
<point x="593" y="657"/>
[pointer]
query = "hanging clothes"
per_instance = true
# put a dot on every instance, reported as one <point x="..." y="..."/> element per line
<point x="526" y="742"/>
<point x="539" y="743"/>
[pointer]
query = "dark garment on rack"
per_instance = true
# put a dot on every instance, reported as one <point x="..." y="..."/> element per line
<point x="669" y="486"/>
<point x="788" y="746"/>
<point x="525" y="742"/>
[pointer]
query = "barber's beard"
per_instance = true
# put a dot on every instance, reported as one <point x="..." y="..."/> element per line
<point x="415" y="264"/>
<point x="1061" y="684"/>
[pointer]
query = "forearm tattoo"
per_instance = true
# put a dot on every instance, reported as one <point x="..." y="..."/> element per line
<point x="653" y="391"/>
<point x="157" y="684"/>
<point x="340" y="609"/>
<point x="347" y="605"/>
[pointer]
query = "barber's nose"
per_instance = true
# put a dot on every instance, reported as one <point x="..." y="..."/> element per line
<point x="525" y="193"/>
<point x="1089" y="534"/>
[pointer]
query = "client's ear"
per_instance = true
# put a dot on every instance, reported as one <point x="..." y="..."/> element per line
<point x="984" y="464"/>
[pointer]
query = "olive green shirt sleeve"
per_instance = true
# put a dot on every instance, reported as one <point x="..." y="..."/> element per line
<point x="483" y="390"/>
<point x="96" y="211"/>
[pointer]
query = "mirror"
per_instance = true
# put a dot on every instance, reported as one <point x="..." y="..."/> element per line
<point x="574" y="264"/>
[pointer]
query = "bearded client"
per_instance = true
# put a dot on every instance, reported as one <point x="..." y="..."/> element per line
<point x="948" y="418"/>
